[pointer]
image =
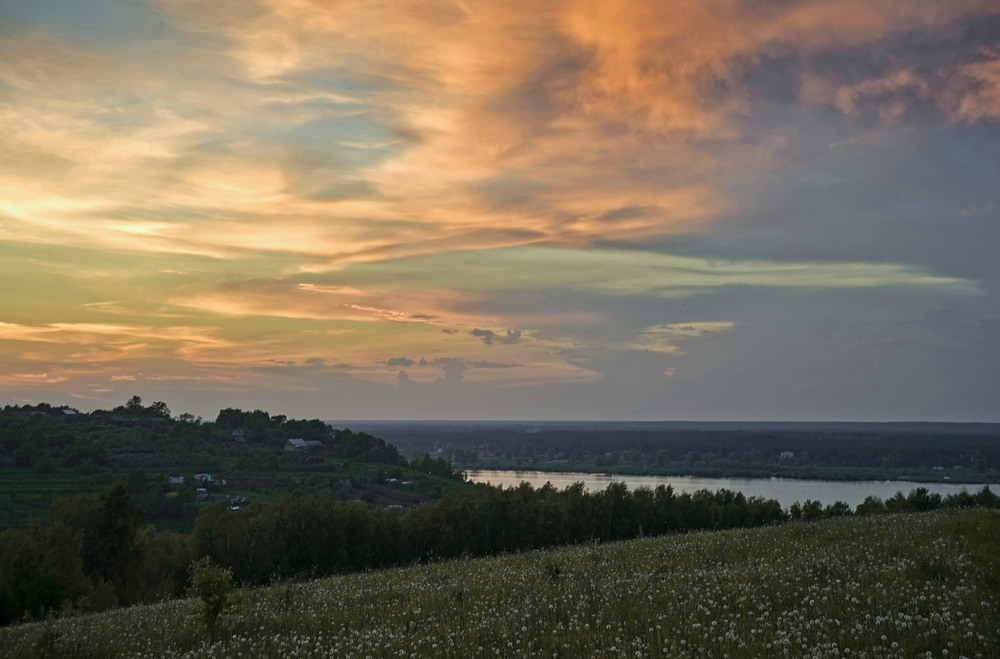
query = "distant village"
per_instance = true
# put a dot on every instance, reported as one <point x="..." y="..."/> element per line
<point x="214" y="488"/>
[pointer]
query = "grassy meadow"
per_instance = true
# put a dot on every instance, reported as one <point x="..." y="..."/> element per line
<point x="908" y="585"/>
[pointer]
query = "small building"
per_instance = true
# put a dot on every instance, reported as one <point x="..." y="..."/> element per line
<point x="304" y="445"/>
<point x="175" y="480"/>
<point x="298" y="445"/>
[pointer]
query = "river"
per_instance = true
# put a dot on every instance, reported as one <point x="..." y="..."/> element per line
<point x="785" y="490"/>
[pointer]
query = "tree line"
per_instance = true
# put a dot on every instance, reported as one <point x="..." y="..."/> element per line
<point x="845" y="451"/>
<point x="92" y="552"/>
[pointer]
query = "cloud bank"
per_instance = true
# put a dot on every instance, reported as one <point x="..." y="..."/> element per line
<point x="710" y="209"/>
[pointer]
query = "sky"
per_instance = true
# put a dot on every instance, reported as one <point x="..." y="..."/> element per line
<point x="510" y="209"/>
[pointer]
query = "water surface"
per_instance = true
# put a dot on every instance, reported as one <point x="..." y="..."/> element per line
<point x="785" y="490"/>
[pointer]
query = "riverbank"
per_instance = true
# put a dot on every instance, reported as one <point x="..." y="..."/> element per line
<point x="919" y="452"/>
<point x="785" y="491"/>
<point x="934" y="474"/>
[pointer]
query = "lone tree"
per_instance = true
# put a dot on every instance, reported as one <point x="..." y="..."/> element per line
<point x="212" y="584"/>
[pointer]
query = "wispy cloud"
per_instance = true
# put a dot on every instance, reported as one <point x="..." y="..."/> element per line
<point x="280" y="196"/>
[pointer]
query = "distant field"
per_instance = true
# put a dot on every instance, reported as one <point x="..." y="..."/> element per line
<point x="24" y="494"/>
<point x="887" y="586"/>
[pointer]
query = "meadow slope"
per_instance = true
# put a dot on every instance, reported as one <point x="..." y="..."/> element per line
<point x="922" y="584"/>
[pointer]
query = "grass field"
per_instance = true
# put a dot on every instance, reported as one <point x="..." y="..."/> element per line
<point x="25" y="494"/>
<point x="891" y="586"/>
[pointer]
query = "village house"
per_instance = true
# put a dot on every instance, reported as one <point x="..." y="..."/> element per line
<point x="303" y="445"/>
<point x="236" y="502"/>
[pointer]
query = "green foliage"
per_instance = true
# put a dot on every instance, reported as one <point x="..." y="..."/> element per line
<point x="365" y="447"/>
<point x="39" y="571"/>
<point x="134" y="408"/>
<point x="44" y="466"/>
<point x="109" y="529"/>
<point x="213" y="586"/>
<point x="88" y="555"/>
<point x="436" y="467"/>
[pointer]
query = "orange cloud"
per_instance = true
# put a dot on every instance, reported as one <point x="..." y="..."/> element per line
<point x="560" y="122"/>
<point x="976" y="91"/>
<point x="227" y="173"/>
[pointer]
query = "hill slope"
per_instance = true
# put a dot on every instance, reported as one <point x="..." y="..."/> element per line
<point x="887" y="586"/>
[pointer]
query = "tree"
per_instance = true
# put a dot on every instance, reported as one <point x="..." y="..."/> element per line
<point x="434" y="466"/>
<point x="812" y="510"/>
<point x="872" y="505"/>
<point x="921" y="499"/>
<point x="39" y="571"/>
<point x="160" y="409"/>
<point x="230" y="418"/>
<point x="109" y="526"/>
<point x="211" y="584"/>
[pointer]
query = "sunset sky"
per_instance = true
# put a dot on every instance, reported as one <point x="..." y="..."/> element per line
<point x="623" y="209"/>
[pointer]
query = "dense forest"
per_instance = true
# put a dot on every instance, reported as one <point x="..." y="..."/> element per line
<point x="927" y="452"/>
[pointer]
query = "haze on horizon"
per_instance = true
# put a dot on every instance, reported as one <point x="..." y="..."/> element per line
<point x="701" y="209"/>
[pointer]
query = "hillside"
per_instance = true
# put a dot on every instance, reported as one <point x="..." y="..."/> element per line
<point x="884" y="586"/>
<point x="175" y="465"/>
